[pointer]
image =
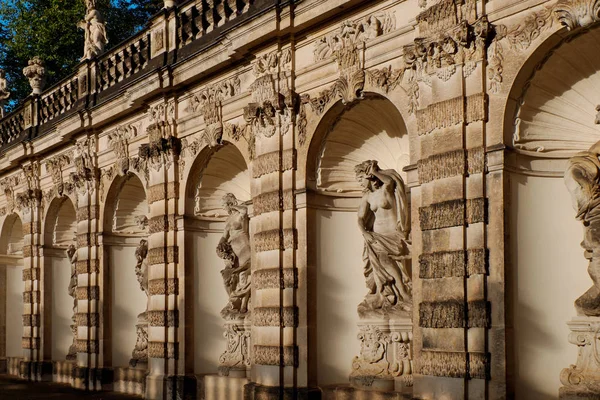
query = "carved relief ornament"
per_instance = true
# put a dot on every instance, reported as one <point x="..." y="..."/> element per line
<point x="55" y="167"/>
<point x="575" y="14"/>
<point x="118" y="141"/>
<point x="208" y="103"/>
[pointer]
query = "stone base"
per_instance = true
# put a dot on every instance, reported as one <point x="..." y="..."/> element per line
<point x="94" y="379"/>
<point x="254" y="391"/>
<point x="582" y="380"/>
<point x="385" y="359"/>
<point x="37" y="371"/>
<point x="347" y="392"/>
<point x="12" y="365"/>
<point x="64" y="372"/>
<point x="216" y="387"/>
<point x="130" y="381"/>
<point x="573" y="394"/>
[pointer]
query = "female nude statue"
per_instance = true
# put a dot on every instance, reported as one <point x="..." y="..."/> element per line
<point x="234" y="249"/>
<point x="383" y="221"/>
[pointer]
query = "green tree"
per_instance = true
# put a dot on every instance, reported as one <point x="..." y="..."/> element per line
<point x="48" y="29"/>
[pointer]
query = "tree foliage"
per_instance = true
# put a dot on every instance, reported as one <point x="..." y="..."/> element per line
<point x="48" y="29"/>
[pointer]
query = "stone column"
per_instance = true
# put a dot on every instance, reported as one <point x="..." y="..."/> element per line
<point x="279" y="327"/>
<point x="452" y="311"/>
<point x="165" y="271"/>
<point x="30" y="203"/>
<point x="83" y="183"/>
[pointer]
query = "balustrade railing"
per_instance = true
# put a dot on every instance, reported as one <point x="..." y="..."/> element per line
<point x="58" y="100"/>
<point x="11" y="126"/>
<point x="124" y="61"/>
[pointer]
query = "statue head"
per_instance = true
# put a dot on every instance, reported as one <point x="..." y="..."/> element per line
<point x="90" y="4"/>
<point x="582" y="179"/>
<point x="228" y="201"/>
<point x="364" y="175"/>
<point x="71" y="250"/>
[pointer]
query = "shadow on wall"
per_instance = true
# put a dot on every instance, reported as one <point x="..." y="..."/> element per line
<point x="547" y="273"/>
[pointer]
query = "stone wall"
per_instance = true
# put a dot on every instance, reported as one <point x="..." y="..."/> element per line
<point x="276" y="103"/>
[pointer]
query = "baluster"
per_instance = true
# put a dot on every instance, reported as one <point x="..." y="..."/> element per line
<point x="220" y="12"/>
<point x="246" y="6"/>
<point x="187" y="29"/>
<point x="198" y="25"/>
<point x="135" y="58"/>
<point x="209" y="15"/>
<point x="232" y="9"/>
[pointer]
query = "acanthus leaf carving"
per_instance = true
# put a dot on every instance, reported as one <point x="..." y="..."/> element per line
<point x="208" y="103"/>
<point x="574" y="14"/>
<point x="86" y="173"/>
<point x="118" y="141"/>
<point x="236" y="132"/>
<point x="162" y="149"/>
<point x="55" y="167"/>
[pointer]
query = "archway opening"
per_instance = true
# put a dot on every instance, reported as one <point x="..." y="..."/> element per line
<point x="555" y="118"/>
<point x="126" y="257"/>
<point x="12" y="287"/>
<point x="371" y="129"/>
<point x="217" y="174"/>
<point x="59" y="250"/>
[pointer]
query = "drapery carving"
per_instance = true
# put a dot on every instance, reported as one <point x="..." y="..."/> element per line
<point x="95" y="31"/>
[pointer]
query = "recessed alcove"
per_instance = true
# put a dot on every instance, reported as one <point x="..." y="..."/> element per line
<point x="370" y="129"/>
<point x="12" y="287"/>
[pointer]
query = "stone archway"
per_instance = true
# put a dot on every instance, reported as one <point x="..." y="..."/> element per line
<point x="555" y="118"/>
<point x="371" y="129"/>
<point x="59" y="258"/>
<point x="216" y="173"/>
<point x="125" y="250"/>
<point x="12" y="288"/>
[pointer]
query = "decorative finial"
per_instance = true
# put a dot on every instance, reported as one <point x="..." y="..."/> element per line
<point x="4" y="92"/>
<point x="95" y="31"/>
<point x="36" y="73"/>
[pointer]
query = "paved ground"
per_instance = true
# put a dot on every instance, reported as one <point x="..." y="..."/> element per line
<point x="16" y="389"/>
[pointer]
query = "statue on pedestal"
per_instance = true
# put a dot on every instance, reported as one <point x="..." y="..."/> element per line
<point x="95" y="31"/>
<point x="140" y="351"/>
<point x="386" y="326"/>
<point x="72" y="256"/>
<point x="234" y="249"/>
<point x="582" y="178"/>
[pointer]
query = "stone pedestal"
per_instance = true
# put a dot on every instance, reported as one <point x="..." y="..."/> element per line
<point x="217" y="387"/>
<point x="385" y="360"/>
<point x="235" y="361"/>
<point x="582" y="380"/>
<point x="139" y="356"/>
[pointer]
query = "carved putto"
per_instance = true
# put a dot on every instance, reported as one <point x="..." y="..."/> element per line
<point x="383" y="221"/>
<point x="95" y="31"/>
<point x="234" y="249"/>
<point x="582" y="179"/>
<point x="36" y="73"/>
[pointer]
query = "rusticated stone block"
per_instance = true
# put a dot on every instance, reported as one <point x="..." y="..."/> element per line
<point x="275" y="278"/>
<point x="87" y="346"/>
<point x="442" y="215"/>
<point x="451" y="264"/>
<point x="163" y="350"/>
<point x="442" y="363"/>
<point x="452" y="314"/>
<point x="87" y="293"/>
<point x="275" y="240"/>
<point x="476" y="210"/>
<point x="275" y="316"/>
<point x="272" y="355"/>
<point x="269" y="163"/>
<point x="162" y="255"/>
<point x="168" y="318"/>
<point x="163" y="286"/>
<point x="442" y="166"/>
<point x="87" y="319"/>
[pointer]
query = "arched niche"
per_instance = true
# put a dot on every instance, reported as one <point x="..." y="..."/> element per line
<point x="60" y="232"/>
<point x="125" y="221"/>
<point x="12" y="287"/>
<point x="556" y="95"/>
<point x="371" y="129"/>
<point x="214" y="173"/>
